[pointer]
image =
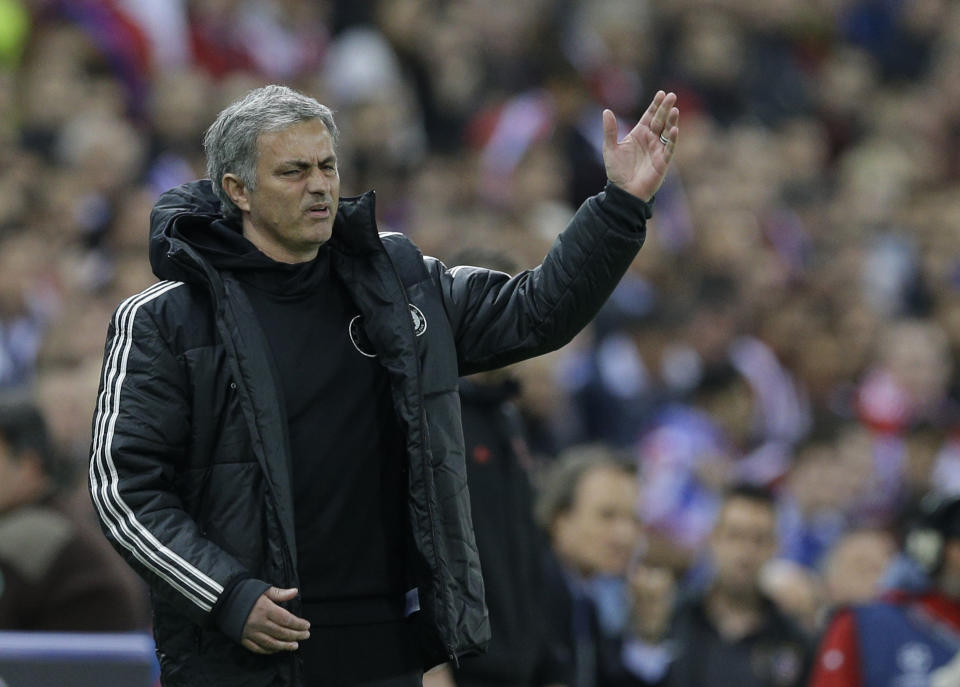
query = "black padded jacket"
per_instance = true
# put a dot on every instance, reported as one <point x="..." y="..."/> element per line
<point x="190" y="464"/>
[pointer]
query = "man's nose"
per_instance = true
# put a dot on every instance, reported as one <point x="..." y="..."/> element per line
<point x="317" y="182"/>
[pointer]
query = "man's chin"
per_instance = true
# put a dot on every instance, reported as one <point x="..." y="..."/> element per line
<point x="320" y="232"/>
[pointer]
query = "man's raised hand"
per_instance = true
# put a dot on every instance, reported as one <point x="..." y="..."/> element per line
<point x="270" y="627"/>
<point x="639" y="162"/>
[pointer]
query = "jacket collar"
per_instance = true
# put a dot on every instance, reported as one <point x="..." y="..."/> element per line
<point x="193" y="206"/>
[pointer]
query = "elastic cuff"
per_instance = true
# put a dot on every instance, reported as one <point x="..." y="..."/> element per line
<point x="625" y="206"/>
<point x="235" y="606"/>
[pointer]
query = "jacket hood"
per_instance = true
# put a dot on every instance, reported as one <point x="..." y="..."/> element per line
<point x="188" y="221"/>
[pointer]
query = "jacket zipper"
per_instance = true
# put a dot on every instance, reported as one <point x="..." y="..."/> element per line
<point x="183" y="258"/>
<point x="451" y="654"/>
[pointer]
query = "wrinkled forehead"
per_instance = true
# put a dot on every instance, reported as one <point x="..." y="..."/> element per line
<point x="307" y="140"/>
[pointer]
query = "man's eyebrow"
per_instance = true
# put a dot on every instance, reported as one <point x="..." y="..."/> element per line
<point x="304" y="164"/>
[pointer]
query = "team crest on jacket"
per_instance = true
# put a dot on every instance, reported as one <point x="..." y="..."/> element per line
<point x="360" y="340"/>
<point x="419" y="321"/>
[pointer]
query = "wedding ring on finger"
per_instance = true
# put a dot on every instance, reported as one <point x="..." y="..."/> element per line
<point x="664" y="140"/>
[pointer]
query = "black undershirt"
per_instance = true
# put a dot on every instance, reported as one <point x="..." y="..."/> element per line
<point x="347" y="448"/>
<point x="348" y="463"/>
<point x="348" y="456"/>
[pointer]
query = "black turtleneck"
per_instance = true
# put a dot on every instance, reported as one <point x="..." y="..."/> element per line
<point x="347" y="447"/>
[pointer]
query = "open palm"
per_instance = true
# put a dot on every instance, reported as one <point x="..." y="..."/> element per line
<point x="639" y="162"/>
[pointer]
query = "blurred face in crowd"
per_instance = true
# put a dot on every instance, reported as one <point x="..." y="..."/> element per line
<point x="21" y="478"/>
<point x="290" y="212"/>
<point x="599" y="532"/>
<point x="732" y="408"/>
<point x="917" y="354"/>
<point x="855" y="565"/>
<point x="743" y="540"/>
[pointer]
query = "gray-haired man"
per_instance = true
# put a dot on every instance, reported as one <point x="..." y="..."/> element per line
<point x="277" y="446"/>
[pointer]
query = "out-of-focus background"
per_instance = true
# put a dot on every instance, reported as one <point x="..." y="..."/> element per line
<point x="792" y="321"/>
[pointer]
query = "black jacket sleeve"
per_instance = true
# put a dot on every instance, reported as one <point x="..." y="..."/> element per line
<point x="141" y="427"/>
<point x="498" y="319"/>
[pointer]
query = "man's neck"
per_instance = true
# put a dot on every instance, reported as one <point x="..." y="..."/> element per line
<point x="734" y="615"/>
<point x="276" y="251"/>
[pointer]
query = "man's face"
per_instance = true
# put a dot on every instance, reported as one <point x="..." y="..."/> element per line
<point x="16" y="478"/>
<point x="290" y="213"/>
<point x="743" y="540"/>
<point x="599" y="533"/>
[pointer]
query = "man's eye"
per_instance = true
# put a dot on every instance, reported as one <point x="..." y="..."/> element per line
<point x="291" y="172"/>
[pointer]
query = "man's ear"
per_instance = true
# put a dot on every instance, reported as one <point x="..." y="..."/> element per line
<point x="237" y="191"/>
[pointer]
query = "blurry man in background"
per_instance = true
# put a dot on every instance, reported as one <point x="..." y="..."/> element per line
<point x="588" y="508"/>
<point x="854" y="568"/>
<point x="912" y="634"/>
<point x="56" y="573"/>
<point x="508" y="539"/>
<point x="731" y="634"/>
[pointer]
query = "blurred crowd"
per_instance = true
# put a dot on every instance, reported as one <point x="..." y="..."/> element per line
<point x="792" y="323"/>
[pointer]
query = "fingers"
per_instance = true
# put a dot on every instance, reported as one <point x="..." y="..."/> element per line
<point x="284" y="618"/>
<point x="250" y="646"/>
<point x="271" y="628"/>
<point x="268" y="637"/>
<point x="664" y="111"/>
<point x="262" y="643"/>
<point x="284" y="633"/>
<point x="277" y="595"/>
<point x="609" y="130"/>
<point x="281" y="616"/>
<point x="652" y="109"/>
<point x="671" y="131"/>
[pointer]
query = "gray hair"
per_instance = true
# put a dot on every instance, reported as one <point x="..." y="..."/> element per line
<point x="231" y="141"/>
<point x="558" y="491"/>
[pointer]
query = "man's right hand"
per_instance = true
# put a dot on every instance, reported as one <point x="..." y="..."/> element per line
<point x="270" y="627"/>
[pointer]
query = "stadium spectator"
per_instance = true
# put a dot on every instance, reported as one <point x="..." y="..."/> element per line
<point x="730" y="633"/>
<point x="854" y="569"/>
<point x="56" y="574"/>
<point x="909" y="635"/>
<point x="508" y="540"/>
<point x="587" y="505"/>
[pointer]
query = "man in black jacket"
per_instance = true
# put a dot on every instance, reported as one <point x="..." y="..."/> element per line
<point x="508" y="540"/>
<point x="277" y="445"/>
<point x="730" y="633"/>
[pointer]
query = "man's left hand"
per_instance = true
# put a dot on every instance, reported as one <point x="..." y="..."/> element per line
<point x="639" y="162"/>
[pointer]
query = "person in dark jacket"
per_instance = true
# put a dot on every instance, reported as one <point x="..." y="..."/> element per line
<point x="56" y="572"/>
<point x="509" y="543"/>
<point x="730" y="633"/>
<point x="587" y="506"/>
<point x="277" y="445"/>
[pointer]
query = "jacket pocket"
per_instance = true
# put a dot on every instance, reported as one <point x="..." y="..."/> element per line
<point x="232" y="510"/>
